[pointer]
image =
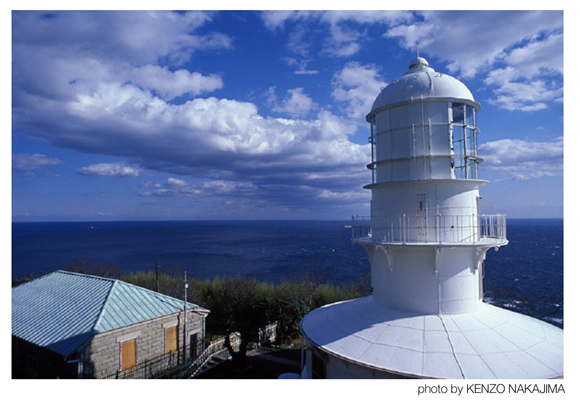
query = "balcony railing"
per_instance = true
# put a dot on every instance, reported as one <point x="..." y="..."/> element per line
<point x="442" y="229"/>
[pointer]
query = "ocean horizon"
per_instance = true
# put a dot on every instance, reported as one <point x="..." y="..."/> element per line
<point x="525" y="275"/>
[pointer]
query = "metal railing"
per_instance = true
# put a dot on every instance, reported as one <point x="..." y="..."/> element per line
<point x="172" y="364"/>
<point x="406" y="229"/>
<point x="168" y="364"/>
<point x="267" y="333"/>
<point x="215" y="348"/>
<point x="151" y="368"/>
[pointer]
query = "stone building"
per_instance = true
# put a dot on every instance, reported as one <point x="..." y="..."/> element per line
<point x="71" y="325"/>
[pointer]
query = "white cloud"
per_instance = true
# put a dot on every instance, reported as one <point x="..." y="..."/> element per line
<point x="541" y="55"/>
<point x="33" y="161"/>
<point x="137" y="37"/>
<point x="80" y="51"/>
<point x="526" y="96"/>
<point x="110" y="170"/>
<point x="531" y="79"/>
<point x="522" y="159"/>
<point x="346" y="28"/>
<point x="357" y="85"/>
<point x="172" y="182"/>
<point x="178" y="187"/>
<point x="302" y="66"/>
<point x="202" y="137"/>
<point x="171" y="84"/>
<point x="465" y="39"/>
<point x="296" y="103"/>
<point x="521" y="55"/>
<point x="342" y="42"/>
<point x="276" y="19"/>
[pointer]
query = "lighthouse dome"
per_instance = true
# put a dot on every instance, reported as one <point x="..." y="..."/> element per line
<point x="422" y="82"/>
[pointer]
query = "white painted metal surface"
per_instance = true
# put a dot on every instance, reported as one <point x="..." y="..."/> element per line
<point x="422" y="81"/>
<point x="487" y="344"/>
<point x="427" y="241"/>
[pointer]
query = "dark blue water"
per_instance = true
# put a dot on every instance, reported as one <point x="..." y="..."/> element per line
<point x="266" y="250"/>
<point x="526" y="275"/>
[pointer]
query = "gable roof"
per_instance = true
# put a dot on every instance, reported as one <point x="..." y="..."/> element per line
<point x="61" y="310"/>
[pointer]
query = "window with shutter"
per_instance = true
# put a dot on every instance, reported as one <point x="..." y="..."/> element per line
<point x="128" y="356"/>
<point x="170" y="339"/>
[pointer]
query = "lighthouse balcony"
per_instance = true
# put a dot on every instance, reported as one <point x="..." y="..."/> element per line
<point x="451" y="230"/>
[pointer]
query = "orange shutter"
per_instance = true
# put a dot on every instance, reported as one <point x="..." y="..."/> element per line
<point x="127" y="354"/>
<point x="170" y="339"/>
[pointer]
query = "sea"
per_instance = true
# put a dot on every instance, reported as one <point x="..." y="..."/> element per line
<point x="526" y="275"/>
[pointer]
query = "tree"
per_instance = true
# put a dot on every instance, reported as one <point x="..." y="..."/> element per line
<point x="237" y="305"/>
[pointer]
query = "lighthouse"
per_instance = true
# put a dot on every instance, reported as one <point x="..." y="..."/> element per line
<point x="426" y="240"/>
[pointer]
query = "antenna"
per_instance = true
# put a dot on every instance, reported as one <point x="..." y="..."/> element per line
<point x="417" y="47"/>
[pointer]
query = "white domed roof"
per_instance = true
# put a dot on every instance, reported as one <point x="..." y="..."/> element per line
<point x="422" y="81"/>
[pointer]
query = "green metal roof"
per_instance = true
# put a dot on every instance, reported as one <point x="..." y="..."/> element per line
<point x="61" y="310"/>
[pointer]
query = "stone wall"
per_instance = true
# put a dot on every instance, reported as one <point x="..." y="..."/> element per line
<point x="102" y="355"/>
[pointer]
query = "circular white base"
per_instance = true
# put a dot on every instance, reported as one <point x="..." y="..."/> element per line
<point x="488" y="343"/>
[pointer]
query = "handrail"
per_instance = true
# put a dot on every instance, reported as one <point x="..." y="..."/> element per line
<point x="215" y="347"/>
<point x="405" y="229"/>
<point x="265" y="334"/>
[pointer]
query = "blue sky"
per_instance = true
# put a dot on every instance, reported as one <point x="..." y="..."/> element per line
<point x="261" y="115"/>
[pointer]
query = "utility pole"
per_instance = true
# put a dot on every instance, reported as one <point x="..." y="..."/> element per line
<point x="157" y="276"/>
<point x="186" y="285"/>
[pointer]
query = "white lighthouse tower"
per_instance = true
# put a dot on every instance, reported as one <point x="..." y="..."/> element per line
<point x="426" y="241"/>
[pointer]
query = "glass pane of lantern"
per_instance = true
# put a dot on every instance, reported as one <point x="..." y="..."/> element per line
<point x="469" y="116"/>
<point x="458" y="140"/>
<point x="458" y="116"/>
<point x="471" y="169"/>
<point x="470" y="142"/>
<point x="459" y="167"/>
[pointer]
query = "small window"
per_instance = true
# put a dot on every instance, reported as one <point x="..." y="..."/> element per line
<point x="170" y="339"/>
<point x="128" y="354"/>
